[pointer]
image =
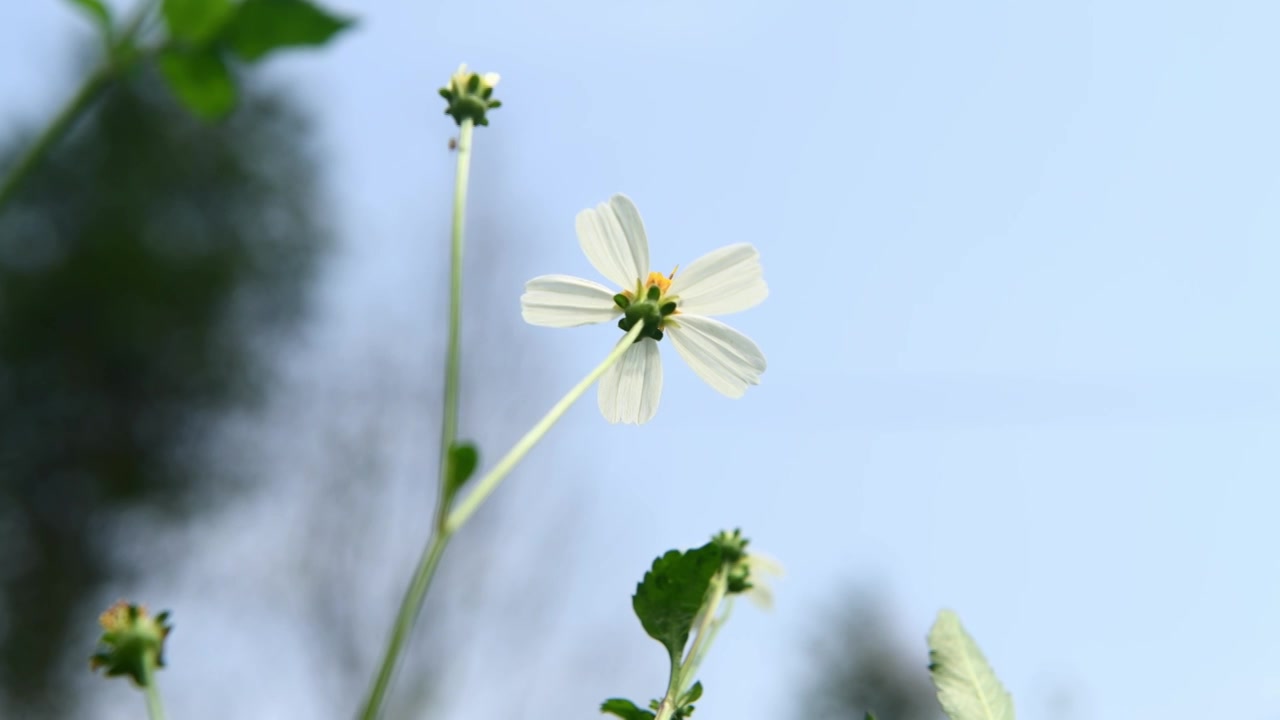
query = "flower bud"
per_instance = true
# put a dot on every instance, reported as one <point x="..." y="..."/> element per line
<point x="132" y="641"/>
<point x="470" y="95"/>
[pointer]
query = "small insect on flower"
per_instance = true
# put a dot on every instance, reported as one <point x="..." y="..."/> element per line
<point x="453" y="143"/>
<point x="678" y="304"/>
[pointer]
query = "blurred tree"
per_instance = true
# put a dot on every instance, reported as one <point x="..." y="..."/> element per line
<point x="858" y="666"/>
<point x="140" y="270"/>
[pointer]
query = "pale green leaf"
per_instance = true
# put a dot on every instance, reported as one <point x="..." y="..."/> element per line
<point x="967" y="687"/>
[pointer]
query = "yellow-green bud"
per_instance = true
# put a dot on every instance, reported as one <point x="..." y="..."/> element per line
<point x="131" y="641"/>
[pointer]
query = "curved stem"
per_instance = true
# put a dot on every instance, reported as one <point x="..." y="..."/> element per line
<point x="453" y="357"/>
<point x="494" y="477"/>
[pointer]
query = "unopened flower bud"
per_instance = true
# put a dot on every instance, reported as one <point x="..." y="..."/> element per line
<point x="132" y="641"/>
<point x="470" y="95"/>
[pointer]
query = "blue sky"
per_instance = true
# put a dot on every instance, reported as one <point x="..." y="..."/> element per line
<point x="1021" y="333"/>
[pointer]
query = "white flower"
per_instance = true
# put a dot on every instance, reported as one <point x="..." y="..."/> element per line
<point x="723" y="281"/>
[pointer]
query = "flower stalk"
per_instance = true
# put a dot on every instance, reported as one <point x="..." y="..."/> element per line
<point x="453" y="358"/>
<point x="443" y="532"/>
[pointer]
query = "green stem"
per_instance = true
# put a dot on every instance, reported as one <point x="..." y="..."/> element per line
<point x="708" y="631"/>
<point x="494" y="477"/>
<point x="405" y="620"/>
<point x="708" y="626"/>
<point x="442" y="532"/>
<point x="65" y="119"/>
<point x="155" y="708"/>
<point x="453" y="357"/>
<point x="116" y="62"/>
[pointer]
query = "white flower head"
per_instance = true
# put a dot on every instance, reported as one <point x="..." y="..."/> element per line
<point x="677" y="306"/>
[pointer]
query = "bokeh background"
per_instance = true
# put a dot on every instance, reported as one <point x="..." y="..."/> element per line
<point x="1022" y="343"/>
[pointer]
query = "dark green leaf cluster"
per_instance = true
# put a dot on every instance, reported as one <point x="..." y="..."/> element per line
<point x="150" y="269"/>
<point x="674" y="595"/>
<point x="203" y="33"/>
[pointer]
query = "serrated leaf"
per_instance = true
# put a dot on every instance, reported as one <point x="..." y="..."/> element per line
<point x="625" y="709"/>
<point x="463" y="458"/>
<point x="201" y="81"/>
<point x="968" y="689"/>
<point x="261" y="26"/>
<point x="196" y="22"/>
<point x="668" y="599"/>
<point x="100" y="13"/>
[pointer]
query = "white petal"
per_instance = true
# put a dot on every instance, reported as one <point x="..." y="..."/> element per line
<point x="723" y="281"/>
<point x="566" y="301"/>
<point x="612" y="237"/>
<point x="629" y="391"/>
<point x="728" y="360"/>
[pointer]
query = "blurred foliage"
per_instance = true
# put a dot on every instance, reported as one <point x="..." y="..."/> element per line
<point x="144" y="269"/>
<point x="858" y="667"/>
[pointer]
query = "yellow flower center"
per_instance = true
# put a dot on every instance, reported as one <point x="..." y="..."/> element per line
<point x="660" y="281"/>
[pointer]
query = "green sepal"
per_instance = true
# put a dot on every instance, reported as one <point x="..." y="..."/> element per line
<point x="667" y="308"/>
<point x="653" y="293"/>
<point x="622" y="301"/>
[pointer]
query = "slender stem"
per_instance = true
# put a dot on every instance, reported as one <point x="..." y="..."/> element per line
<point x="119" y="58"/>
<point x="405" y="620"/>
<point x="155" y="708"/>
<point x="442" y="532"/>
<point x="708" y="626"/>
<point x="453" y="360"/>
<point x="62" y="122"/>
<point x="494" y="477"/>
<point x="693" y="658"/>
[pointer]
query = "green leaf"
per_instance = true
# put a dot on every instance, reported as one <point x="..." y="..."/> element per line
<point x="693" y="694"/>
<point x="967" y="687"/>
<point x="201" y="81"/>
<point x="625" y="709"/>
<point x="100" y="13"/>
<point x="261" y="26"/>
<point x="668" y="599"/>
<point x="870" y="716"/>
<point x="196" y="22"/>
<point x="463" y="458"/>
